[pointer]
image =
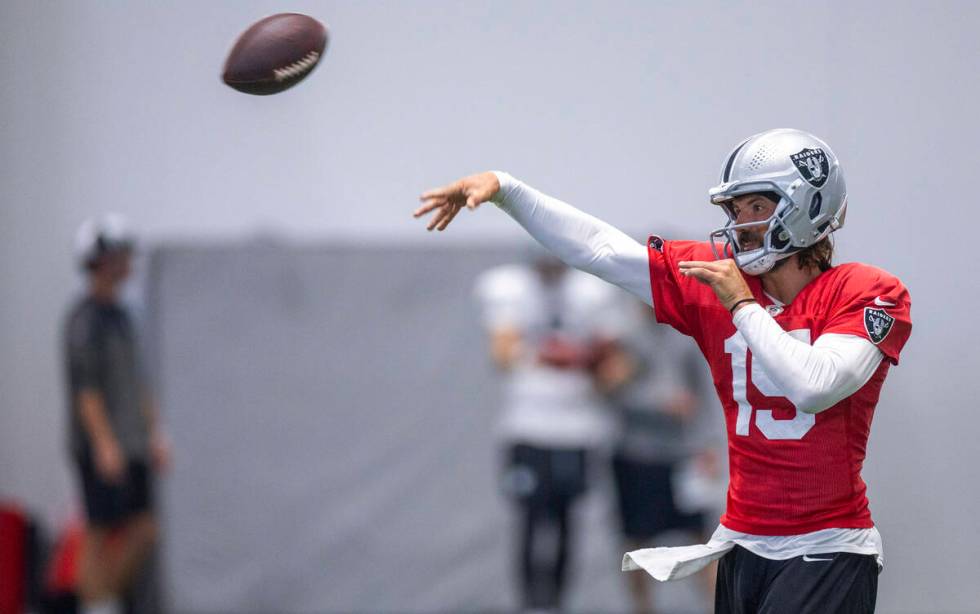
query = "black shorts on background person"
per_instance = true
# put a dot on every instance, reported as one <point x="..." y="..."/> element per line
<point x="109" y="504"/>
<point x="645" y="498"/>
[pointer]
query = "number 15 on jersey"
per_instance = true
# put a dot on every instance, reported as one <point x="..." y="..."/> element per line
<point x="772" y="428"/>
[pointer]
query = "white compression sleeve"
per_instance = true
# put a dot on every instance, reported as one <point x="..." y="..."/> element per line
<point x="813" y="377"/>
<point x="577" y="238"/>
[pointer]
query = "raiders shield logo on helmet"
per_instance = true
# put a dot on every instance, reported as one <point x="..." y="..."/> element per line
<point x="878" y="324"/>
<point x="812" y="165"/>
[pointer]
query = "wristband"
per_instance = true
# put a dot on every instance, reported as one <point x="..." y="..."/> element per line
<point x="737" y="303"/>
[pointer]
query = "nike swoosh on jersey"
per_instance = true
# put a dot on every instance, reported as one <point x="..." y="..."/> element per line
<point x="882" y="303"/>
<point x="808" y="559"/>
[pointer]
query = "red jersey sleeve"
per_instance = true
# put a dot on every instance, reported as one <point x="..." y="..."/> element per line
<point x="677" y="299"/>
<point x="873" y="304"/>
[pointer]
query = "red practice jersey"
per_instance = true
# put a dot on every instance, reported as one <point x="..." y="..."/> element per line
<point x="791" y="472"/>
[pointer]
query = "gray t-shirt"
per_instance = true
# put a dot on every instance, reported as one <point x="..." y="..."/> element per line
<point x="667" y="364"/>
<point x="101" y="355"/>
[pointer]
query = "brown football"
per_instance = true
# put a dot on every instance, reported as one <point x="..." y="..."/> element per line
<point x="275" y="54"/>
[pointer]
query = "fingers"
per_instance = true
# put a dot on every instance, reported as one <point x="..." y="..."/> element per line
<point x="453" y="211"/>
<point x="707" y="271"/>
<point x="702" y="274"/>
<point x="427" y="207"/>
<point x="445" y="212"/>
<point x="711" y="265"/>
<point x="438" y="197"/>
<point x="442" y="219"/>
<point x="437" y="218"/>
<point x="448" y="200"/>
<point x="440" y="193"/>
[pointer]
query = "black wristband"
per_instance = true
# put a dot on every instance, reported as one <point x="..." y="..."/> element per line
<point x="737" y="303"/>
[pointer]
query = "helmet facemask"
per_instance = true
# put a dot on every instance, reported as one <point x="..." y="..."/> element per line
<point x="777" y="240"/>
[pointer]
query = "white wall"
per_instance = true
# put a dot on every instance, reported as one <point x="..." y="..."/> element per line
<point x="625" y="109"/>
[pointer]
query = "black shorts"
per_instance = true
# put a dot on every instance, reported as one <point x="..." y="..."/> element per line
<point x="836" y="583"/>
<point x="645" y="493"/>
<point x="108" y="505"/>
<point x="544" y="476"/>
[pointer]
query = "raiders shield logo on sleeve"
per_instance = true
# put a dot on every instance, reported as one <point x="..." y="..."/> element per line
<point x="878" y="324"/>
<point x="812" y="165"/>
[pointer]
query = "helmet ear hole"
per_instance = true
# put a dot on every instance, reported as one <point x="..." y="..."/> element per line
<point x="816" y="206"/>
<point x="779" y="235"/>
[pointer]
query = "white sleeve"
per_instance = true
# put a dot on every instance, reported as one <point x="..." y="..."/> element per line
<point x="813" y="377"/>
<point x="578" y="239"/>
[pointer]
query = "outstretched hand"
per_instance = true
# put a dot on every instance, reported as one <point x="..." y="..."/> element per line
<point x="723" y="276"/>
<point x="447" y="201"/>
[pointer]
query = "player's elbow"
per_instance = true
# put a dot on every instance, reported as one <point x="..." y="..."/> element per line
<point x="815" y="406"/>
<point x="817" y="397"/>
<point x="813" y="400"/>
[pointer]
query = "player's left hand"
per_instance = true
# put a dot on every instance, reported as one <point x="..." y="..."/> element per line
<point x="723" y="276"/>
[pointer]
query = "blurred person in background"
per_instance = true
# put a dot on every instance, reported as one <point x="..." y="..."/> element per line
<point x="115" y="439"/>
<point x="653" y="378"/>
<point x="545" y="324"/>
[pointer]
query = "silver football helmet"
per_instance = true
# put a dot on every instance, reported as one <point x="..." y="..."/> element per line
<point x="806" y="177"/>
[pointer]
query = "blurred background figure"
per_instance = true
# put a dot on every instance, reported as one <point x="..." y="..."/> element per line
<point x="546" y="324"/>
<point x="665" y="471"/>
<point x="116" y="443"/>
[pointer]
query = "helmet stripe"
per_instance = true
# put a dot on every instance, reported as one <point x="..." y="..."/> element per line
<point x="731" y="161"/>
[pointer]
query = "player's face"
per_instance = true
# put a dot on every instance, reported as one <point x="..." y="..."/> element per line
<point x="750" y="208"/>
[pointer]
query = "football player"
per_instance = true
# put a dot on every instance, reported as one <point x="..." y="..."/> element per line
<point x="798" y="349"/>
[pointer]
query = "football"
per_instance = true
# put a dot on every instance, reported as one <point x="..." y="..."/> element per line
<point x="275" y="54"/>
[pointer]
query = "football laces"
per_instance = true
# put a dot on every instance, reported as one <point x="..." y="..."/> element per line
<point x="296" y="68"/>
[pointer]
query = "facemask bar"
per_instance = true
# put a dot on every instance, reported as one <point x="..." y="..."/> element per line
<point x="774" y="223"/>
<point x="730" y="248"/>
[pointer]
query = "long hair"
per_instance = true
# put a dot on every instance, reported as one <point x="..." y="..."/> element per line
<point x="818" y="255"/>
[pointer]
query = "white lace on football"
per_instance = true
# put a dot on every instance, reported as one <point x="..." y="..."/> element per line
<point x="298" y="68"/>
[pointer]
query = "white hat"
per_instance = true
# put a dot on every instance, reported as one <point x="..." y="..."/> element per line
<point x="99" y="236"/>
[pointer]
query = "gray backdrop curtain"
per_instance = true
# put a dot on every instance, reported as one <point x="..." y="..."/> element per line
<point x="332" y="410"/>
